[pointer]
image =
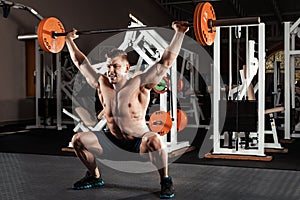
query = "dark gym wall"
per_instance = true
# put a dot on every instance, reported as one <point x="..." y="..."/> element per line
<point x="83" y="15"/>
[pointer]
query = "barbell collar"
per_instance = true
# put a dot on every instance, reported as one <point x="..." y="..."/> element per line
<point x="233" y="21"/>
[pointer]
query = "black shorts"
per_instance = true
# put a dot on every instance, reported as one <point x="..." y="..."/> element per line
<point x="110" y="143"/>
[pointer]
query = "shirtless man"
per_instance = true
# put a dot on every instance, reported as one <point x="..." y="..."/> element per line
<point x="125" y="103"/>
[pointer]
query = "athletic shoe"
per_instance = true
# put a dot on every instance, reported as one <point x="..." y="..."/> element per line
<point x="167" y="189"/>
<point x="88" y="182"/>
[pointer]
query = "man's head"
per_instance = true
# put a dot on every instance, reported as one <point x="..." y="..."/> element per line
<point x="117" y="65"/>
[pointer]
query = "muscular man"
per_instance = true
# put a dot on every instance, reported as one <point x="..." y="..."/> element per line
<point x="125" y="103"/>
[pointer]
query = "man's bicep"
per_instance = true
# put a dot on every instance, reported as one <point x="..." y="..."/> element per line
<point x="154" y="74"/>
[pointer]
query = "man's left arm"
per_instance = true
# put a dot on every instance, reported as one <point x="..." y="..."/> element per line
<point x="155" y="73"/>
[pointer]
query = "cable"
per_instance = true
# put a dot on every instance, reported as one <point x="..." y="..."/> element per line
<point x="6" y="5"/>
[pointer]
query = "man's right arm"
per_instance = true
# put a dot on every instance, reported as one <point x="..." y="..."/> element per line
<point x="81" y="61"/>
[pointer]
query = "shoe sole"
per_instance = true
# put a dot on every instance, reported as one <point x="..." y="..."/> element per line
<point x="89" y="186"/>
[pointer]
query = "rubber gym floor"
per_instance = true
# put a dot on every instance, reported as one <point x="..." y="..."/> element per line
<point x="33" y="167"/>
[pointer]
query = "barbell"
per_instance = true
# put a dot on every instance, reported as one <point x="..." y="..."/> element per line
<point x="50" y="30"/>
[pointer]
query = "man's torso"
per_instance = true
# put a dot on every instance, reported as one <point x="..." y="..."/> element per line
<point x="125" y="109"/>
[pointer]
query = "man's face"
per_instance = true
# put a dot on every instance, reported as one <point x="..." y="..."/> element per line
<point x="117" y="69"/>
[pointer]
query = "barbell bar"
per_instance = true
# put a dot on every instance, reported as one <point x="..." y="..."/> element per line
<point x="51" y="30"/>
<point x="89" y="32"/>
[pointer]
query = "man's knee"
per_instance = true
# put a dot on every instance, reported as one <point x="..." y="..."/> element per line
<point x="86" y="141"/>
<point x="76" y="141"/>
<point x="155" y="143"/>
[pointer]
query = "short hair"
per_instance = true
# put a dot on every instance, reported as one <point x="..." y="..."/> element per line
<point x="116" y="53"/>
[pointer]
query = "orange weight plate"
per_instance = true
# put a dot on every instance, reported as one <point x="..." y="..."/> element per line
<point x="160" y="122"/>
<point x="203" y="13"/>
<point x="197" y="23"/>
<point x="180" y="85"/>
<point x="182" y="120"/>
<point x="45" y="29"/>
